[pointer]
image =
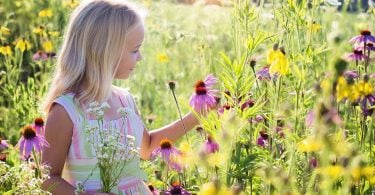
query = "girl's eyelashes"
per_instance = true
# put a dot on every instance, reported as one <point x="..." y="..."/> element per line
<point x="136" y="51"/>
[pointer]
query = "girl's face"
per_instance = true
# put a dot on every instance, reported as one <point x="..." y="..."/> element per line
<point x="131" y="54"/>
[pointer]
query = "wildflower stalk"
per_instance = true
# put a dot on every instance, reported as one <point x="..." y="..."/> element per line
<point x="172" y="88"/>
<point x="38" y="173"/>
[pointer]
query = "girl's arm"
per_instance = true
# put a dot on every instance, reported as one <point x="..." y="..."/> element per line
<point x="173" y="131"/>
<point x="58" y="133"/>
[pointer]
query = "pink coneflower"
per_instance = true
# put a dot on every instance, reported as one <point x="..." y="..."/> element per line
<point x="356" y="55"/>
<point x="353" y="74"/>
<point x="367" y="104"/>
<point x="369" y="47"/>
<point x="31" y="140"/>
<point x="313" y="162"/>
<point x="211" y="146"/>
<point x="167" y="151"/>
<point x="40" y="55"/>
<point x="176" y="189"/>
<point x="248" y="104"/>
<point x="365" y="36"/>
<point x="3" y="145"/>
<point x="204" y="96"/>
<point x="39" y="126"/>
<point x="264" y="74"/>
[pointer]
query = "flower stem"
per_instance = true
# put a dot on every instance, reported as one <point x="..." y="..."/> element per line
<point x="179" y="113"/>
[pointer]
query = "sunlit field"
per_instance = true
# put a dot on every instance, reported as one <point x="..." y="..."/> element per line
<point x="295" y="100"/>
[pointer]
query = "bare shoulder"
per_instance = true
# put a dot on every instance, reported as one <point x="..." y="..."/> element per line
<point x="58" y="118"/>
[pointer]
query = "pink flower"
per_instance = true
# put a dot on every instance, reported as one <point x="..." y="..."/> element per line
<point x="264" y="74"/>
<point x="204" y="96"/>
<point x="262" y="140"/>
<point x="39" y="126"/>
<point x="356" y="55"/>
<point x="31" y="140"/>
<point x="40" y="55"/>
<point x="3" y="145"/>
<point x="365" y="36"/>
<point x="351" y="74"/>
<point x="167" y="152"/>
<point x="211" y="146"/>
<point x="175" y="189"/>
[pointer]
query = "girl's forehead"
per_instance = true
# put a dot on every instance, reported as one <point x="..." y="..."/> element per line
<point x="136" y="35"/>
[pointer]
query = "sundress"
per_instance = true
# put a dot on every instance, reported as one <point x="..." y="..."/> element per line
<point x="81" y="160"/>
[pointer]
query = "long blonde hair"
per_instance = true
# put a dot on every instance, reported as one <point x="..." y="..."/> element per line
<point x="91" y="51"/>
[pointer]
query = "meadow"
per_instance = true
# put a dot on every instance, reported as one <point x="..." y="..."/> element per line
<point x="296" y="93"/>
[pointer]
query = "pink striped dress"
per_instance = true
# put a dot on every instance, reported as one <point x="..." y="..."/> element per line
<point x="81" y="159"/>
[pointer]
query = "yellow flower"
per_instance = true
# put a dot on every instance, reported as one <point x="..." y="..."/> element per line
<point x="278" y="62"/>
<point x="368" y="171"/>
<point x="6" y="50"/>
<point x="309" y="145"/>
<point x="54" y="33"/>
<point x="71" y="3"/>
<point x="342" y="89"/>
<point x="47" y="46"/>
<point x="334" y="171"/>
<point x="162" y="57"/>
<point x="4" y="30"/>
<point x="215" y="159"/>
<point x="315" y="27"/>
<point x="45" y="13"/>
<point x="40" y="30"/>
<point x="364" y="88"/>
<point x="210" y="188"/>
<point x="23" y="45"/>
<point x="356" y="173"/>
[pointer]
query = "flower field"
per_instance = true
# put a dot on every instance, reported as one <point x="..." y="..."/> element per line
<point x="293" y="82"/>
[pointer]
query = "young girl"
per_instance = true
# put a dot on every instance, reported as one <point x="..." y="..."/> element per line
<point x="101" y="44"/>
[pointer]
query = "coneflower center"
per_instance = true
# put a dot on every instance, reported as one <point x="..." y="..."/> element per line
<point x="39" y="122"/>
<point x="199" y="83"/>
<point x="357" y="52"/>
<point x="28" y="132"/>
<point x="165" y="144"/>
<point x="365" y="33"/>
<point x="200" y="90"/>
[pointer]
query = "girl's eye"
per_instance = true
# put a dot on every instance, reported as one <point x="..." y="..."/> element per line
<point x="136" y="51"/>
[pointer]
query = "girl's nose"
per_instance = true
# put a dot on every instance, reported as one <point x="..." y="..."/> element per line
<point x="139" y="57"/>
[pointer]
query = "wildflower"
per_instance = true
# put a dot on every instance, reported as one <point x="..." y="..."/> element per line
<point x="54" y="33"/>
<point x="368" y="47"/>
<point x="356" y="55"/>
<point x="45" y="13"/>
<point x="204" y="96"/>
<point x="365" y="36"/>
<point x="334" y="171"/>
<point x="313" y="162"/>
<point x="367" y="105"/>
<point x="309" y="120"/>
<point x="353" y="74"/>
<point x="211" y="146"/>
<point x="315" y="27"/>
<point x="40" y="30"/>
<point x="277" y="60"/>
<point x="47" y="46"/>
<point x="71" y="3"/>
<point x="248" y="104"/>
<point x="264" y="74"/>
<point x="39" y="126"/>
<point x="40" y="55"/>
<point x="262" y="140"/>
<point x="3" y="145"/>
<point x="162" y="57"/>
<point x="213" y="188"/>
<point x="176" y="189"/>
<point x="23" y="45"/>
<point x="166" y="151"/>
<point x="31" y="140"/>
<point x="309" y="145"/>
<point x="172" y="85"/>
<point x="6" y="50"/>
<point x="4" y="30"/>
<point x="342" y="89"/>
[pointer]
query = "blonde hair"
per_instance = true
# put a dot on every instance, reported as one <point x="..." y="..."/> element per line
<point x="94" y="41"/>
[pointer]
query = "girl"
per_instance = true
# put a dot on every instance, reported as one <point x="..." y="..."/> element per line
<point x="101" y="44"/>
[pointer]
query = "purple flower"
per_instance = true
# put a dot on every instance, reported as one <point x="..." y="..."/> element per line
<point x="264" y="74"/>
<point x="353" y="74"/>
<point x="356" y="55"/>
<point x="366" y="103"/>
<point x="167" y="152"/>
<point x="39" y="126"/>
<point x="369" y="47"/>
<point x="31" y="140"/>
<point x="309" y="120"/>
<point x="248" y="104"/>
<point x="262" y="140"/>
<point x="211" y="146"/>
<point x="40" y="55"/>
<point x="204" y="96"/>
<point x="176" y="189"/>
<point x="365" y="36"/>
<point x="313" y="162"/>
<point x="3" y="145"/>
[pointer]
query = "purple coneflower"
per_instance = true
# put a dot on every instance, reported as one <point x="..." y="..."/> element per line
<point x="369" y="47"/>
<point x="366" y="103"/>
<point x="313" y="162"/>
<point x="176" y="189"/>
<point x="167" y="152"/>
<point x="248" y="104"/>
<point x="3" y="146"/>
<point x="211" y="146"/>
<point x="356" y="55"/>
<point x="39" y="126"/>
<point x="365" y="36"/>
<point x="40" y="55"/>
<point x="353" y="74"/>
<point x="204" y="96"/>
<point x="153" y="190"/>
<point x="31" y="140"/>
<point x="262" y="139"/>
<point x="264" y="74"/>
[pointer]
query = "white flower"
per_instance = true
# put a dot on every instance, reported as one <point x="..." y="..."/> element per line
<point x="130" y="137"/>
<point x="123" y="111"/>
<point x="105" y="106"/>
